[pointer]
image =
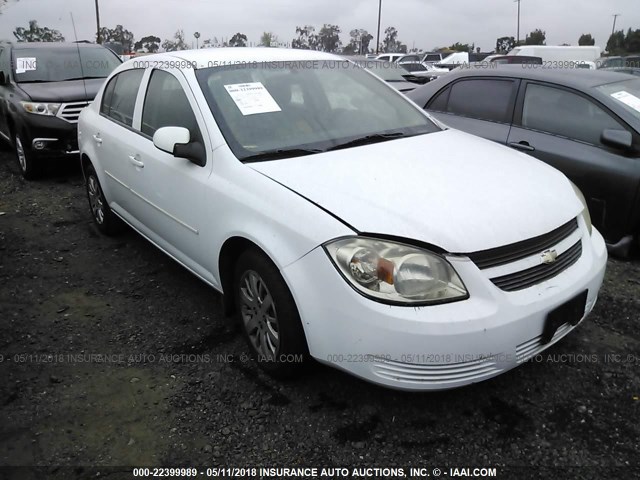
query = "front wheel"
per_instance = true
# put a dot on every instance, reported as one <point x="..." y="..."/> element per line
<point x="29" y="166"/>
<point x="106" y="221"/>
<point x="268" y="316"/>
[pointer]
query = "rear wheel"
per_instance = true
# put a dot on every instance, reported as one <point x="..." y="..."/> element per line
<point x="268" y="316"/>
<point x="106" y="221"/>
<point x="29" y="166"/>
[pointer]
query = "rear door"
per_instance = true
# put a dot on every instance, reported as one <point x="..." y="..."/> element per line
<point x="114" y="137"/>
<point x="562" y="127"/>
<point x="481" y="106"/>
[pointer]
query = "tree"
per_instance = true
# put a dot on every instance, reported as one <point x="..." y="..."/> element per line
<point x="617" y="43"/>
<point x="632" y="41"/>
<point x="461" y="47"/>
<point x="505" y="44"/>
<point x="268" y="39"/>
<point x="329" y="38"/>
<point x="586" y="39"/>
<point x="177" y="43"/>
<point x="390" y="43"/>
<point x="35" y="33"/>
<point x="118" y="35"/>
<point x="3" y="3"/>
<point x="537" y="37"/>
<point x="149" y="43"/>
<point x="359" y="43"/>
<point x="307" y="38"/>
<point x="238" y="40"/>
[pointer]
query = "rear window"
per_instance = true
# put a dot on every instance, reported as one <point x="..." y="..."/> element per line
<point x="58" y="64"/>
<point x="119" y="99"/>
<point x="485" y="99"/>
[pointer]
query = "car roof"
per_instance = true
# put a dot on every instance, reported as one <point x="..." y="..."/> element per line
<point x="577" y="78"/>
<point x="204" y="57"/>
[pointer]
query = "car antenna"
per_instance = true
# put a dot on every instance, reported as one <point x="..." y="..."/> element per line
<point x="75" y="34"/>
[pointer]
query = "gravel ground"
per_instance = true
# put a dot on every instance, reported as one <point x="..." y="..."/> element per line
<point x="66" y="290"/>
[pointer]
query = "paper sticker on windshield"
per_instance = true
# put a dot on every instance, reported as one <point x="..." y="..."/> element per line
<point x="25" y="64"/>
<point x="628" y="99"/>
<point x="252" y="98"/>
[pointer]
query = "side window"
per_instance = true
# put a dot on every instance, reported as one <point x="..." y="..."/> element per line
<point x="564" y="113"/>
<point x="166" y="105"/>
<point x="439" y="103"/>
<point x="119" y="99"/>
<point x="483" y="99"/>
<point x="107" y="96"/>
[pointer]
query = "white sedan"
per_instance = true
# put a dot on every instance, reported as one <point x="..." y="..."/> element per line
<point x="338" y="219"/>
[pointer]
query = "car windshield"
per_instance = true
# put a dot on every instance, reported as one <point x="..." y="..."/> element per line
<point x="625" y="94"/>
<point x="266" y="110"/>
<point x="58" y="64"/>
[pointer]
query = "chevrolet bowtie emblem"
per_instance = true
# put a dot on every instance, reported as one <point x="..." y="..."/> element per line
<point x="548" y="257"/>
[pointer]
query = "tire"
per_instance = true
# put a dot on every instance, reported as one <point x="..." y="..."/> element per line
<point x="104" y="218"/>
<point x="28" y="165"/>
<point x="268" y="316"/>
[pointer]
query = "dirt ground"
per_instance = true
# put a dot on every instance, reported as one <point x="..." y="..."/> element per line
<point x="114" y="355"/>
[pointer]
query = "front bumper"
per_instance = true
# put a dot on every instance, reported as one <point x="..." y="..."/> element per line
<point x="441" y="346"/>
<point x="57" y="137"/>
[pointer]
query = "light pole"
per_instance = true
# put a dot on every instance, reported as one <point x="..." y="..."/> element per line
<point x="518" y="40"/>
<point x="379" y="17"/>
<point x="98" y="37"/>
<point x="615" y="17"/>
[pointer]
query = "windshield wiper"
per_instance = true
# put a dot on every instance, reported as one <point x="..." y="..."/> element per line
<point x="369" y="139"/>
<point x="280" y="153"/>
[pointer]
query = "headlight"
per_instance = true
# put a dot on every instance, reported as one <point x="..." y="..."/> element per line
<point x="38" y="108"/>
<point x="585" y="211"/>
<point x="395" y="272"/>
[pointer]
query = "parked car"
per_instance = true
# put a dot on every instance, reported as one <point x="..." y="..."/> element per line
<point x="628" y="61"/>
<point x="389" y="57"/>
<point x="514" y="60"/>
<point x="420" y="73"/>
<point x="338" y="219"/>
<point x="428" y="58"/>
<point x="460" y="58"/>
<point x="43" y="88"/>
<point x="551" y="54"/>
<point x="391" y="73"/>
<point x="585" y="123"/>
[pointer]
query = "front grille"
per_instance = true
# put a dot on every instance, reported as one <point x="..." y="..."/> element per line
<point x="517" y="251"/>
<point x="530" y="349"/>
<point x="539" y="273"/>
<point x="70" y="112"/>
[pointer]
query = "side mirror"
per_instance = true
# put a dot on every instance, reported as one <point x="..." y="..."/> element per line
<point x="621" y="139"/>
<point x="177" y="141"/>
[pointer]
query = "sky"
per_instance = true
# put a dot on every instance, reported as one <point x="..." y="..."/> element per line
<point x="421" y="23"/>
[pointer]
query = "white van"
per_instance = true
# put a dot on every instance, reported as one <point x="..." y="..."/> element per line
<point x="559" y="54"/>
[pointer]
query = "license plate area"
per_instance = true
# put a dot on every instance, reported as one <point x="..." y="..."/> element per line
<point x="570" y="312"/>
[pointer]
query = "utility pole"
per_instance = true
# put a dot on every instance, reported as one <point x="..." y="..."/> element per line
<point x="98" y="36"/>
<point x="379" y="17"/>
<point x="518" y="40"/>
<point x="615" y="17"/>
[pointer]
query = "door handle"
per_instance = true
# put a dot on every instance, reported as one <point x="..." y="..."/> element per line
<point x="97" y="139"/>
<point x="134" y="159"/>
<point x="523" y="146"/>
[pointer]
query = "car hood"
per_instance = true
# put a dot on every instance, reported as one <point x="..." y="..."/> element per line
<point x="450" y="189"/>
<point x="62" y="92"/>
